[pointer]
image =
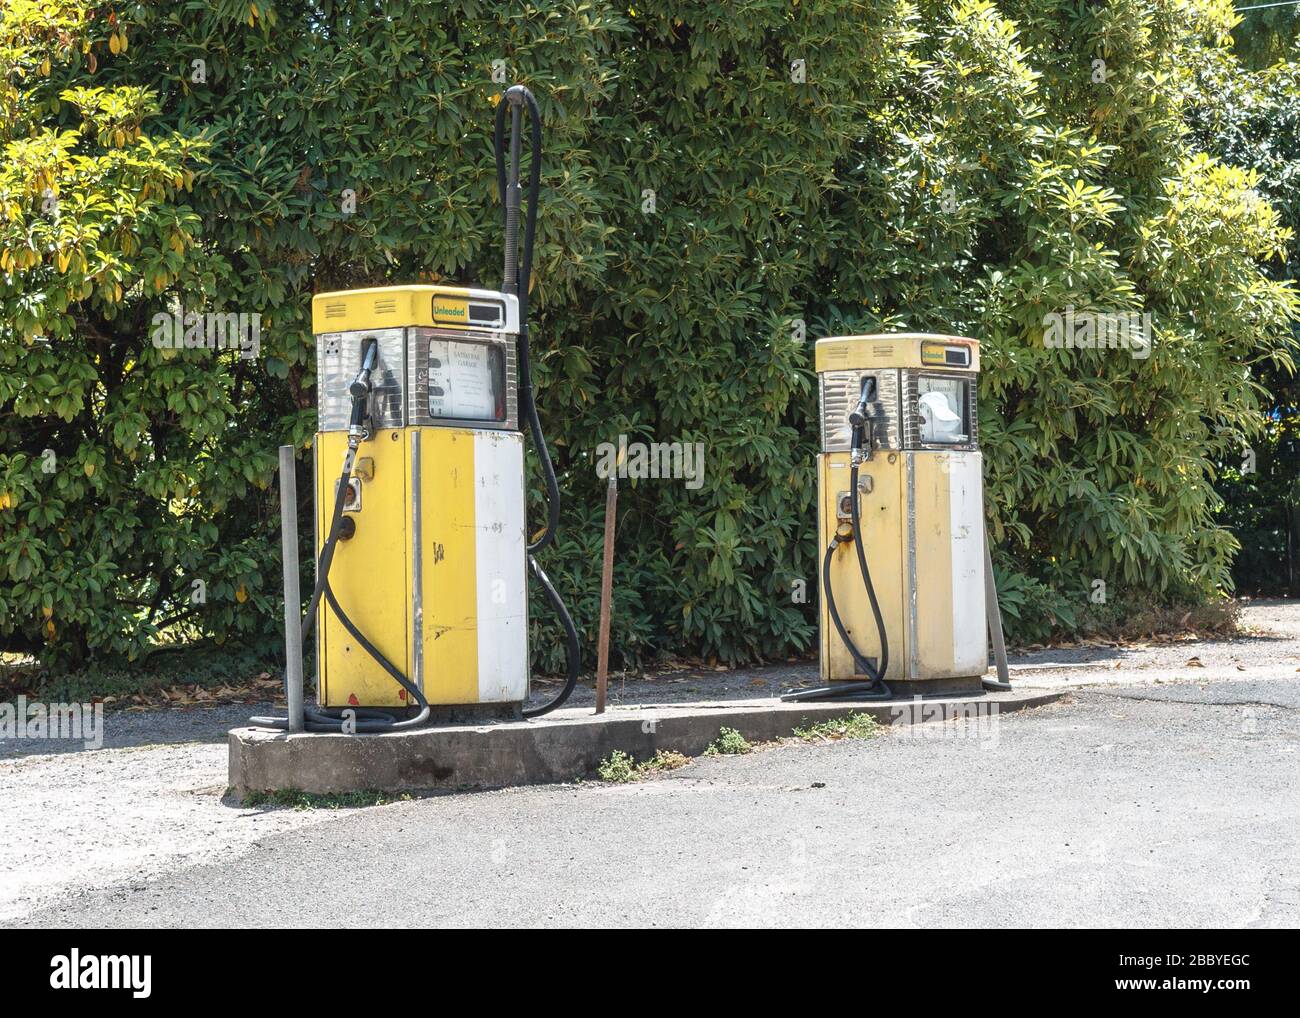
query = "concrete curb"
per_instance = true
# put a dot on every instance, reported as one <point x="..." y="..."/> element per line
<point x="561" y="747"/>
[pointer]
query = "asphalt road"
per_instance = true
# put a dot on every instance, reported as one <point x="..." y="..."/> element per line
<point x="1132" y="806"/>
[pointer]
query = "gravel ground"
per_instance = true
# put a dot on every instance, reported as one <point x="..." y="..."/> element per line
<point x="1161" y="795"/>
<point x="94" y="819"/>
<point x="125" y="729"/>
<point x="1271" y="650"/>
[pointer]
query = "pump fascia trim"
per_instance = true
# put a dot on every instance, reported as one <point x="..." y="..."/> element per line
<point x="384" y="307"/>
<point x="893" y="350"/>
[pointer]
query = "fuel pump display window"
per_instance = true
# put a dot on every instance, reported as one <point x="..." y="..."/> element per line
<point x="942" y="411"/>
<point x="467" y="380"/>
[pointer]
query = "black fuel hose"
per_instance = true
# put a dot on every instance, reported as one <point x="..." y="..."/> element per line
<point x="856" y="517"/>
<point x="350" y="719"/>
<point x="862" y="664"/>
<point x="516" y="98"/>
<point x="875" y="688"/>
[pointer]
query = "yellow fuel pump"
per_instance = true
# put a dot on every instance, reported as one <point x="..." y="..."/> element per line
<point x="900" y="517"/>
<point x="422" y="558"/>
<point x="430" y="564"/>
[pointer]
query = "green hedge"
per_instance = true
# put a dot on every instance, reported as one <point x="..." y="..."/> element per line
<point x="1249" y="118"/>
<point x="722" y="185"/>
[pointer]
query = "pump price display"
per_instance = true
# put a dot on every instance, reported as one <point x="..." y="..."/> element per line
<point x="466" y="380"/>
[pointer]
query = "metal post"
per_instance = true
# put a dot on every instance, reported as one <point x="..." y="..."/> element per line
<point x="994" y="612"/>
<point x="606" y="593"/>
<point x="292" y="598"/>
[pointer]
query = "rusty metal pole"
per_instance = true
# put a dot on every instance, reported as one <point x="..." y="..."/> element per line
<point x="606" y="592"/>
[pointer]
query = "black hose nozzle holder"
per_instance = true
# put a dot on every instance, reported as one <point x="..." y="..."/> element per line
<point x="359" y="389"/>
<point x="862" y="421"/>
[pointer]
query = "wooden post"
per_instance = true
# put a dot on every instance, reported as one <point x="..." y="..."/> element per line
<point x="606" y="593"/>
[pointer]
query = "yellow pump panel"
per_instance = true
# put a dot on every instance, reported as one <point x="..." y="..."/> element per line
<point x="376" y="558"/>
<point x="450" y="585"/>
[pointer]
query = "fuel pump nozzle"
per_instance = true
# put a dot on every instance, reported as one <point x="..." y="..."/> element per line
<point x="359" y="390"/>
<point x="862" y="421"/>
<point x="360" y="386"/>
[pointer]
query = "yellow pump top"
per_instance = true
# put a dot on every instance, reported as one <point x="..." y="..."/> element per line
<point x="898" y="350"/>
<point x="386" y="307"/>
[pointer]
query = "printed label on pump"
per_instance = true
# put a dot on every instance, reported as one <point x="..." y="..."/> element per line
<point x="460" y="380"/>
<point x="450" y="310"/>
